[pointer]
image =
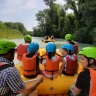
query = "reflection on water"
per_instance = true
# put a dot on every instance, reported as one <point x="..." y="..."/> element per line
<point x="59" y="43"/>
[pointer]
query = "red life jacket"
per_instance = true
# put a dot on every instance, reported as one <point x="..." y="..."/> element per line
<point x="71" y="66"/>
<point x="52" y="66"/>
<point x="93" y="82"/>
<point x="29" y="65"/>
<point x="21" y="49"/>
<point x="75" y="48"/>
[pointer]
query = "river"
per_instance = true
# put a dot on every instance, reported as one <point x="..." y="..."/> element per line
<point x="59" y="43"/>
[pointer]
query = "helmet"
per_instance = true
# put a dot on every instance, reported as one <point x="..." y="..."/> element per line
<point x="27" y="38"/>
<point x="68" y="37"/>
<point x="51" y="47"/>
<point x="6" y="45"/>
<point x="68" y="47"/>
<point x="33" y="47"/>
<point x="88" y="52"/>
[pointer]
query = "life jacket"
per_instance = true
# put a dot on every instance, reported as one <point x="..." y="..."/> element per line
<point x="93" y="82"/>
<point x="29" y="65"/>
<point x="71" y="66"/>
<point x="21" y="49"/>
<point x="52" y="66"/>
<point x="75" y="48"/>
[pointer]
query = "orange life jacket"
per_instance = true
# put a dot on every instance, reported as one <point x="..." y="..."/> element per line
<point x="71" y="65"/>
<point x="29" y="65"/>
<point x="21" y="49"/>
<point x="75" y="48"/>
<point x="52" y="66"/>
<point x="93" y="82"/>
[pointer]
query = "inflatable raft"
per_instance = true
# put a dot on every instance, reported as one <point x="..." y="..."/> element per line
<point x="59" y="86"/>
<point x="49" y="40"/>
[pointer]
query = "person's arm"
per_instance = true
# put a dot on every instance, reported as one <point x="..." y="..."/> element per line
<point x="44" y="62"/>
<point x="77" y="67"/>
<point x="77" y="91"/>
<point x="16" y="84"/>
<point x="31" y="87"/>
<point x="79" y="83"/>
<point x="62" y="66"/>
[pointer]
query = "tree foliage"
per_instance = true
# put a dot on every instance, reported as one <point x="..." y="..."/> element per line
<point x="12" y="30"/>
<point x="56" y="21"/>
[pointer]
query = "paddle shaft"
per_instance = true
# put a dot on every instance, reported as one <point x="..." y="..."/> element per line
<point x="30" y="80"/>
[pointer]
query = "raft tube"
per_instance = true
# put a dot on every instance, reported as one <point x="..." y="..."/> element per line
<point x="46" y="41"/>
<point x="59" y="86"/>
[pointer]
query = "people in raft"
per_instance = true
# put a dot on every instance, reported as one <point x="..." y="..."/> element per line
<point x="69" y="67"/>
<point x="69" y="38"/>
<point x="52" y="37"/>
<point x="86" y="81"/>
<point x="51" y="61"/>
<point x="30" y="61"/>
<point x="46" y="37"/>
<point x="11" y="83"/>
<point x="22" y="48"/>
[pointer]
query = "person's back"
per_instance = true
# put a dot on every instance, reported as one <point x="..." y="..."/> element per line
<point x="75" y="47"/>
<point x="30" y="61"/>
<point x="22" y="48"/>
<point x="70" y="66"/>
<point x="11" y="83"/>
<point x="9" y="76"/>
<point x="51" y="61"/>
<point x="68" y="37"/>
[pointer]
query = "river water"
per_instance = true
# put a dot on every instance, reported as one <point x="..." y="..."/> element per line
<point x="59" y="43"/>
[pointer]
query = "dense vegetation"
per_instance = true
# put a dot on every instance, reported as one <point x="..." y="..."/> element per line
<point x="56" y="21"/>
<point x="11" y="30"/>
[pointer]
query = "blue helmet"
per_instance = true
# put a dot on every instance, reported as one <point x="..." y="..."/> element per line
<point x="51" y="47"/>
<point x="33" y="47"/>
<point x="68" y="47"/>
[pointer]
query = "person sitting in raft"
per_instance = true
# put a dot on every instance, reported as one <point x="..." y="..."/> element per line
<point x="51" y="61"/>
<point x="69" y="67"/>
<point x="68" y="38"/>
<point x="52" y="37"/>
<point x="85" y="84"/>
<point x="22" y="48"/>
<point x="11" y="83"/>
<point x="30" y="61"/>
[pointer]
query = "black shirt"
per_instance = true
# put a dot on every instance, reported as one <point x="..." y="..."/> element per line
<point x="83" y="82"/>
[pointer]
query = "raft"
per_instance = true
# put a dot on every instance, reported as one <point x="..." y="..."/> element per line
<point x="49" y="40"/>
<point x="59" y="86"/>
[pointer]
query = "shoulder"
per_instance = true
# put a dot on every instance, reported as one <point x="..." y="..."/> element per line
<point x="12" y="70"/>
<point x="84" y="74"/>
<point x="85" y="71"/>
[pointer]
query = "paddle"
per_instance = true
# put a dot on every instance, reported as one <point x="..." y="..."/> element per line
<point x="30" y="80"/>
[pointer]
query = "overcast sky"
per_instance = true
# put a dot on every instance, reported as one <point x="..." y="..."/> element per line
<point x="23" y="11"/>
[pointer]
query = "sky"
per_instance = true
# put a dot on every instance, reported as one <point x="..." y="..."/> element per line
<point x="23" y="11"/>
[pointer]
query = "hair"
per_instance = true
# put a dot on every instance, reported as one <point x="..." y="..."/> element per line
<point x="28" y="42"/>
<point x="69" y="52"/>
<point x="29" y="55"/>
<point x="51" y="54"/>
<point x="88" y="59"/>
<point x="11" y="51"/>
<point x="71" y="42"/>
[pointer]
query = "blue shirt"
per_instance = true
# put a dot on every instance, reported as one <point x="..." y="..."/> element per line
<point x="10" y="80"/>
